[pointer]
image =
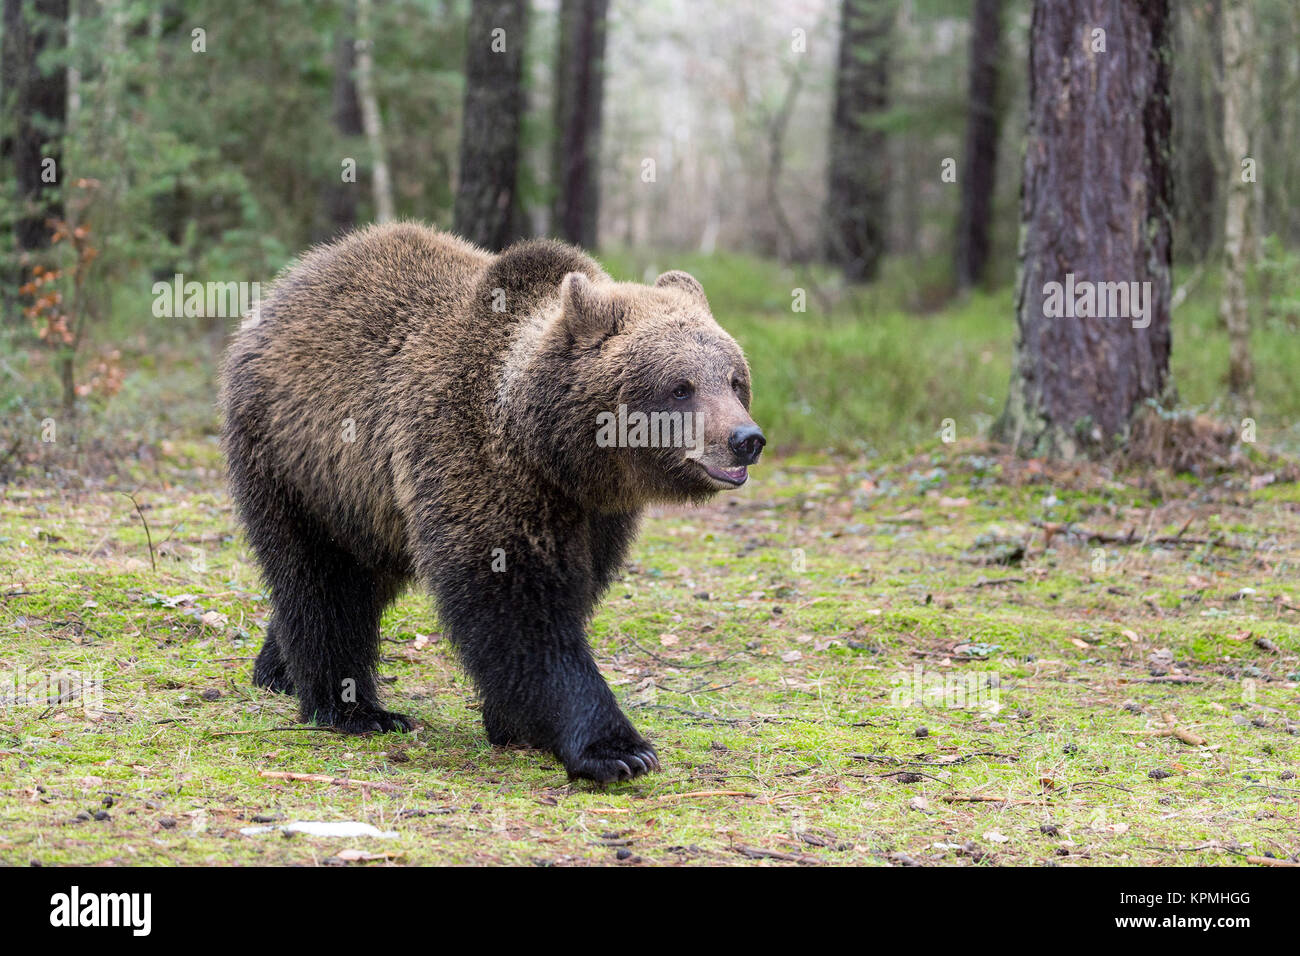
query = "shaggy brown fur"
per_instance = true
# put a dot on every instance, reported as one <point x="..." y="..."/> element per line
<point x="405" y="405"/>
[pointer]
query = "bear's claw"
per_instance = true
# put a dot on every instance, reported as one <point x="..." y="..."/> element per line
<point x="369" y="720"/>
<point x="612" y="761"/>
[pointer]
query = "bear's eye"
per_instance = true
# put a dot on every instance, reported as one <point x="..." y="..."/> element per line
<point x="735" y="384"/>
<point x="683" y="391"/>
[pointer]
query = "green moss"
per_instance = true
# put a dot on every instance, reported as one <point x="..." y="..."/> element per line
<point x="753" y="668"/>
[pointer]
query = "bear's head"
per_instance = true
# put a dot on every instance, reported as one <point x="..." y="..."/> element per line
<point x="650" y="395"/>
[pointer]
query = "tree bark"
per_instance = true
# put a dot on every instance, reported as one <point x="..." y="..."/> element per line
<point x="371" y="120"/>
<point x="980" y="164"/>
<point x="341" y="196"/>
<point x="579" y="96"/>
<point x="1238" y="82"/>
<point x="856" y="201"/>
<point x="1199" y="164"/>
<point x="489" y="144"/>
<point x="36" y="96"/>
<point x="1095" y="208"/>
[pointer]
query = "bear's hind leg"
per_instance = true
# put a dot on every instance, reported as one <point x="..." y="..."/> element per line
<point x="326" y="623"/>
<point x="323" y="636"/>
<point x="269" y="669"/>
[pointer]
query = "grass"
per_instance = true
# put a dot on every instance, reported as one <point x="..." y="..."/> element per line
<point x="766" y="643"/>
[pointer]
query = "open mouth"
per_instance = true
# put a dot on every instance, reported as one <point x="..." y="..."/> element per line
<point x="728" y="476"/>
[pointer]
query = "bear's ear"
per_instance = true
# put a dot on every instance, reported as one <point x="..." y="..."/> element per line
<point x="683" y="282"/>
<point x="587" y="314"/>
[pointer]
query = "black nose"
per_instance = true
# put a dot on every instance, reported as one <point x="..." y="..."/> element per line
<point x="745" y="443"/>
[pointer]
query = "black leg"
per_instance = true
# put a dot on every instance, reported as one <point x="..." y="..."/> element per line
<point x="326" y="611"/>
<point x="524" y="644"/>
<point x="323" y="637"/>
<point x="269" y="670"/>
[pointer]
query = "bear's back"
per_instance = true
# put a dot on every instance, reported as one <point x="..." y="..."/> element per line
<point x="376" y="282"/>
<point x="381" y="346"/>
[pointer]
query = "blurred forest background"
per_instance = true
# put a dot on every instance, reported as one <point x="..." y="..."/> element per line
<point x="844" y="176"/>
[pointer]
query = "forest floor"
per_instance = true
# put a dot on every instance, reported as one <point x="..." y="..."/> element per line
<point x="931" y="660"/>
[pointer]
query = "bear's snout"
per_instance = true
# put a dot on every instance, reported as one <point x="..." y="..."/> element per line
<point x="746" y="443"/>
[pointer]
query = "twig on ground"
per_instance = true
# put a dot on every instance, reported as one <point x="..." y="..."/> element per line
<point x="704" y="793"/>
<point x="272" y="730"/>
<point x="326" y="778"/>
<point x="147" y="536"/>
<point x="984" y="798"/>
<point x="1051" y="528"/>
<point x="1163" y="679"/>
<point x="758" y="853"/>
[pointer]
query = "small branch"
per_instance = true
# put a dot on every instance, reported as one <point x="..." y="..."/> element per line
<point x="148" y="537"/>
<point x="1166" y="679"/>
<point x="704" y="793"/>
<point x="13" y="450"/>
<point x="273" y="730"/>
<point x="984" y="798"/>
<point x="1051" y="528"/>
<point x="326" y="778"/>
<point x="758" y="853"/>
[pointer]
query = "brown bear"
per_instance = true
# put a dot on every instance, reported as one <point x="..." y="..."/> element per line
<point x="403" y="405"/>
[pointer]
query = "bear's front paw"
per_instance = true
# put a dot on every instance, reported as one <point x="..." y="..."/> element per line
<point x="367" y="720"/>
<point x="617" y="757"/>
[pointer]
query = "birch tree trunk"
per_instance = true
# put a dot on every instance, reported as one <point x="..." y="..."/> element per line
<point x="1238" y="81"/>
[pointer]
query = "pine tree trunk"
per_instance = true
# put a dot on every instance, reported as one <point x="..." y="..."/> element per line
<point x="37" y="95"/>
<point x="980" y="163"/>
<point x="1096" y="209"/>
<point x="579" y="96"/>
<point x="341" y="196"/>
<point x="1198" y="137"/>
<point x="371" y="120"/>
<point x="856" y="202"/>
<point x="1238" y="80"/>
<point x="489" y="145"/>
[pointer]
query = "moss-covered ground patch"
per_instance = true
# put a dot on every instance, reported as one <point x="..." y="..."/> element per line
<point x="1107" y="670"/>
